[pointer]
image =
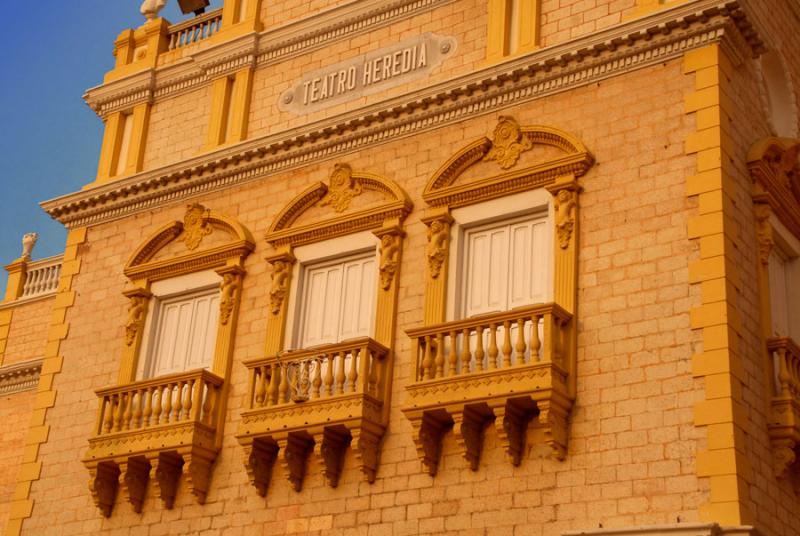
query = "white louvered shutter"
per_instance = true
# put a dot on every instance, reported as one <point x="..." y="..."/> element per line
<point x="339" y="302"/>
<point x="506" y="266"/>
<point x="185" y="334"/>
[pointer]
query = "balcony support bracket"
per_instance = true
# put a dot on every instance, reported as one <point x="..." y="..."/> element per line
<point x="329" y="447"/>
<point x="134" y="474"/>
<point x="469" y="424"/>
<point x="295" y="450"/>
<point x="165" y="471"/>
<point x="198" y="475"/>
<point x="103" y="483"/>
<point x="429" y="427"/>
<point x="366" y="447"/>
<point x="260" y="456"/>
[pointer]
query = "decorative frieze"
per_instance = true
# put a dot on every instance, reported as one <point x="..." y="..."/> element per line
<point x="20" y="377"/>
<point x="641" y="43"/>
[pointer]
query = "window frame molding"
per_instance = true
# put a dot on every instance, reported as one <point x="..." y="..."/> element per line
<point x="189" y="439"/>
<point x="448" y="200"/>
<point x="775" y="171"/>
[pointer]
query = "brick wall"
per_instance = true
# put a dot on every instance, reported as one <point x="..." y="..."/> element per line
<point x="632" y="442"/>
<point x="15" y="412"/>
<point x="27" y="334"/>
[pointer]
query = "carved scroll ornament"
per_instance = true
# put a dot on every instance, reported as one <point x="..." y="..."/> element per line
<point x="342" y="189"/>
<point x="763" y="232"/>
<point x="195" y="225"/>
<point x="508" y="143"/>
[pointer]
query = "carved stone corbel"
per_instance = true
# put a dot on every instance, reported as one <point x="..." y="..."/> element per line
<point x="553" y="421"/>
<point x="165" y="471"/>
<point x="198" y="475"/>
<point x="511" y="424"/>
<point x="260" y="459"/>
<point x="137" y="313"/>
<point x="784" y="456"/>
<point x="281" y="274"/>
<point x="390" y="248"/>
<point x="565" y="204"/>
<point x="366" y="447"/>
<point x="438" y="243"/>
<point x="103" y="483"/>
<point x="230" y="292"/>
<point x="295" y="451"/>
<point x="469" y="425"/>
<point x="763" y="231"/>
<point x="330" y="446"/>
<point x="134" y="475"/>
<point x="427" y="435"/>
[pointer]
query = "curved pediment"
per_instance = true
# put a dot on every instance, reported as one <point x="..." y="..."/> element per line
<point x="515" y="159"/>
<point x="204" y="239"/>
<point x="775" y="167"/>
<point x="351" y="201"/>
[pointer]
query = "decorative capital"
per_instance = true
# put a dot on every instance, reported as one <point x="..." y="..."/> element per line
<point x="508" y="143"/>
<point x="343" y="187"/>
<point x="195" y="225"/>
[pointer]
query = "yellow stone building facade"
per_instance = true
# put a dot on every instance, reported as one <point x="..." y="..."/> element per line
<point x="422" y="267"/>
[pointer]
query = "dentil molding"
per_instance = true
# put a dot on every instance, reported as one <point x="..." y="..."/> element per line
<point x="602" y="55"/>
<point x="20" y="377"/>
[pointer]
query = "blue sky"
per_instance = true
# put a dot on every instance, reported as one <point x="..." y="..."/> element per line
<point x="53" y="50"/>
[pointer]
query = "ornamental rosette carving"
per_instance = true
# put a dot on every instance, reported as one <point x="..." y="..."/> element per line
<point x="566" y="202"/>
<point x="438" y="243"/>
<point x="508" y="143"/>
<point x="390" y="259"/>
<point x="343" y="187"/>
<point x="137" y="310"/>
<point x="281" y="270"/>
<point x="195" y="225"/>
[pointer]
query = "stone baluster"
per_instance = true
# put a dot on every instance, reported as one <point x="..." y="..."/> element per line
<point x="466" y="355"/>
<point x="209" y="404"/>
<point x="157" y="405"/>
<point x="355" y="355"/>
<point x="536" y="344"/>
<point x="261" y="385"/>
<point x="340" y="378"/>
<point x="148" y="407"/>
<point x="452" y="359"/>
<point x="439" y="355"/>
<point x="479" y="353"/>
<point x="427" y="360"/>
<point x="108" y="416"/>
<point x="316" y="382"/>
<point x="283" y="386"/>
<point x="520" y="347"/>
<point x="167" y="411"/>
<point x="506" y="344"/>
<point x="493" y="351"/>
<point x="272" y="390"/>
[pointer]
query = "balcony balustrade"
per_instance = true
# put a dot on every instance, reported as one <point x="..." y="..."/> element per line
<point x="784" y="423"/>
<point x="508" y="366"/>
<point x="319" y="399"/>
<point x="155" y="428"/>
<point x="42" y="278"/>
<point x="195" y="30"/>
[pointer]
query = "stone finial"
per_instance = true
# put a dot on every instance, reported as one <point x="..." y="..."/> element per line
<point x="28" y="241"/>
<point x="151" y="8"/>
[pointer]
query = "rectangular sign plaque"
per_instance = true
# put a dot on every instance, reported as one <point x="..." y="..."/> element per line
<point x="369" y="73"/>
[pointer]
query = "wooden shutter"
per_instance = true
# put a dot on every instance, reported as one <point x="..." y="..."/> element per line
<point x="338" y="301"/>
<point x="185" y="334"/>
<point x="507" y="266"/>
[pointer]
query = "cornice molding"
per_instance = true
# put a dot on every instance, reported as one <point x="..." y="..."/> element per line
<point x="269" y="47"/>
<point x="20" y="377"/>
<point x="633" y="45"/>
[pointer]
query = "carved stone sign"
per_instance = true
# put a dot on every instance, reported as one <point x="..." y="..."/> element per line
<point x="369" y="73"/>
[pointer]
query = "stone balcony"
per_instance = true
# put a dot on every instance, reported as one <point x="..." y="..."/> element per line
<point x="784" y="421"/>
<point x="508" y="367"/>
<point x="317" y="400"/>
<point x="155" y="429"/>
